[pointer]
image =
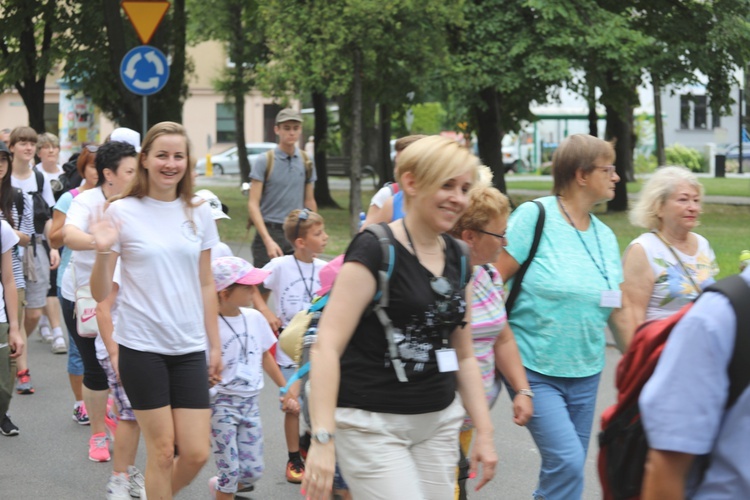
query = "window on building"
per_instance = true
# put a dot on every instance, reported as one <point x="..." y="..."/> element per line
<point x="694" y="113"/>
<point x="51" y="118"/>
<point x="269" y="120"/>
<point x="225" y="129"/>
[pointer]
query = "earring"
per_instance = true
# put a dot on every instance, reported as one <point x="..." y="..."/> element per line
<point x="109" y="183"/>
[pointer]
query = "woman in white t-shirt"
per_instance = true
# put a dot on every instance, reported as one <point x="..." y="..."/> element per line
<point x="167" y="306"/>
<point x="667" y="267"/>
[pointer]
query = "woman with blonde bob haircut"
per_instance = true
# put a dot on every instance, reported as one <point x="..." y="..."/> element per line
<point x="167" y="306"/>
<point x="668" y="266"/>
<point x="396" y="421"/>
<point x="482" y="227"/>
<point x="570" y="292"/>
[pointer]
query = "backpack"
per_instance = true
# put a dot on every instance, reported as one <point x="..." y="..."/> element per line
<point x="622" y="441"/>
<point x="378" y="307"/>
<point x="393" y="186"/>
<point x="269" y="166"/>
<point x="69" y="179"/>
<point x="42" y="211"/>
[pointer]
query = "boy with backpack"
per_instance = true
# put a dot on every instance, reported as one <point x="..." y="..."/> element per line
<point x="294" y="279"/>
<point x="36" y="263"/>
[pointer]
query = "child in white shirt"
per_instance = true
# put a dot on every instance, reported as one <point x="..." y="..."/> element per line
<point x="293" y="281"/>
<point x="236" y="433"/>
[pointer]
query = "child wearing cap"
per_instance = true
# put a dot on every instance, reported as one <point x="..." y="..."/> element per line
<point x="293" y="281"/>
<point x="218" y="211"/>
<point x="245" y="336"/>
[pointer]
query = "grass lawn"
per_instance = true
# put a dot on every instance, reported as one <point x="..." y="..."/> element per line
<point x="725" y="226"/>
<point x="713" y="186"/>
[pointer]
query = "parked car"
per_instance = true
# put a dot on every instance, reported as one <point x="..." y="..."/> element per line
<point x="733" y="152"/>
<point x="227" y="162"/>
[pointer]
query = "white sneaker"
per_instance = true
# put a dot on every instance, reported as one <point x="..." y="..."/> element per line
<point x="58" y="346"/>
<point x="46" y="334"/>
<point x="137" y="483"/>
<point x="118" y="488"/>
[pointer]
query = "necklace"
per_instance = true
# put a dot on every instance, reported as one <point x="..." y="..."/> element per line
<point x="312" y="274"/>
<point x="679" y="261"/>
<point x="414" y="248"/>
<point x="602" y="270"/>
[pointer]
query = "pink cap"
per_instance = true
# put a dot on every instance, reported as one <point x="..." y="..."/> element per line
<point x="230" y="270"/>
<point x="328" y="275"/>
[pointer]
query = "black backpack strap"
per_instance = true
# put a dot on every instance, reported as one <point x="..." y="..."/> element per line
<point x="19" y="202"/>
<point x="39" y="180"/>
<point x="388" y="262"/>
<point x="737" y="291"/>
<point x="516" y="289"/>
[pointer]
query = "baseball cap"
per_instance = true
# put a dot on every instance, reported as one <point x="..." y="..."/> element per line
<point x="130" y="136"/>
<point x="288" y="115"/>
<point x="217" y="207"/>
<point x="230" y="270"/>
<point x="328" y="274"/>
<point x="4" y="149"/>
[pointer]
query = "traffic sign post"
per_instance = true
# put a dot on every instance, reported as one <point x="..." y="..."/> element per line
<point x="145" y="70"/>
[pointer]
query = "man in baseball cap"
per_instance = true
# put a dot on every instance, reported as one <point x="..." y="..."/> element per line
<point x="281" y="180"/>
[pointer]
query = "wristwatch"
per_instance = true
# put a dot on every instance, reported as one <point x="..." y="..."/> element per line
<point x="526" y="392"/>
<point x="322" y="436"/>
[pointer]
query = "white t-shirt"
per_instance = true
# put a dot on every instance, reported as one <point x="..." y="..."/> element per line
<point x="221" y="249"/>
<point x="28" y="185"/>
<point x="381" y="196"/>
<point x="160" y="299"/>
<point x="48" y="176"/>
<point x="9" y="239"/>
<point x="83" y="206"/>
<point x="101" y="348"/>
<point x="293" y="289"/>
<point x="244" y="339"/>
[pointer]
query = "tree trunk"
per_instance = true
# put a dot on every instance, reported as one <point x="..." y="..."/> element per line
<point x="620" y="131"/>
<point x="322" y="190"/>
<point x="593" y="116"/>
<point x="385" y="170"/>
<point x="236" y="50"/>
<point x="661" y="157"/>
<point x="355" y="192"/>
<point x="32" y="94"/>
<point x="490" y="135"/>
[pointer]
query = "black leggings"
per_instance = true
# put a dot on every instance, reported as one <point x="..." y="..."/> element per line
<point x="94" y="376"/>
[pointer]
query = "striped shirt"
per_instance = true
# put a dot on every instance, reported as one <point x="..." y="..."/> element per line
<point x="26" y="227"/>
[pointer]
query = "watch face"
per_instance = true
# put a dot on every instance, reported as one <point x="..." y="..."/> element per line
<point x="322" y="437"/>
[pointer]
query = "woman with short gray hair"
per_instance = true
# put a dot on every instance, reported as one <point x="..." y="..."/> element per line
<point x="668" y="266"/>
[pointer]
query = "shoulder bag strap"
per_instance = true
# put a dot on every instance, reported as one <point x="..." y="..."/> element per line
<point x="516" y="289"/>
<point x="269" y="166"/>
<point x="735" y="288"/>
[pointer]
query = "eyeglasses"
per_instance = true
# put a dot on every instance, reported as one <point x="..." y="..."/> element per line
<point x="498" y="236"/>
<point x="443" y="289"/>
<point x="609" y="169"/>
<point x="92" y="148"/>
<point x="304" y="214"/>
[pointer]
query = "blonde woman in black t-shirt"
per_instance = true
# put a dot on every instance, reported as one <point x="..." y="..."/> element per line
<point x="395" y="422"/>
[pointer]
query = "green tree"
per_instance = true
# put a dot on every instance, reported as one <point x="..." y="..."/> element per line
<point x="366" y="50"/>
<point x="102" y="36"/>
<point x="236" y="23"/>
<point x="35" y="38"/>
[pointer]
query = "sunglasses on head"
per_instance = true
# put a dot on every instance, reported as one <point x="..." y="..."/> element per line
<point x="442" y="288"/>
<point x="91" y="148"/>
<point x="304" y="214"/>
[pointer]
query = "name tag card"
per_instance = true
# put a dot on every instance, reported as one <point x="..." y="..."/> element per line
<point x="447" y="360"/>
<point x="611" y="298"/>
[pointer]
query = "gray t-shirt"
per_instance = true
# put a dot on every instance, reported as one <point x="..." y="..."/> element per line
<point x="285" y="189"/>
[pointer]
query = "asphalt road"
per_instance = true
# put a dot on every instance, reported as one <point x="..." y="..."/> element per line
<point x="49" y="457"/>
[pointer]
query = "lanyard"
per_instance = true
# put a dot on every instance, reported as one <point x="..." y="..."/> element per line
<point x="679" y="261"/>
<point x="312" y="275"/>
<point x="602" y="270"/>
<point x="243" y="353"/>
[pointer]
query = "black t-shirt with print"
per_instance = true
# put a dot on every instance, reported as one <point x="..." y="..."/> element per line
<point x="368" y="380"/>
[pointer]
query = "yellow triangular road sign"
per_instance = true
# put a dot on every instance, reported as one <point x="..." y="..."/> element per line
<point x="145" y="16"/>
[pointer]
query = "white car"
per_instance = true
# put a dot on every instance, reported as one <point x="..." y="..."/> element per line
<point x="227" y="162"/>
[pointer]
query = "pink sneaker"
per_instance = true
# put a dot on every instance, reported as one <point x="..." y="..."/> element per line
<point x="99" y="448"/>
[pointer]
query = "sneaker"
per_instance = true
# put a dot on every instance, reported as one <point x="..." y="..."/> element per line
<point x="99" y="448"/>
<point x="118" y="487"/>
<point x="80" y="414"/>
<point x="58" y="346"/>
<point x="241" y="488"/>
<point x="137" y="483"/>
<point x="295" y="471"/>
<point x="212" y="487"/>
<point x="8" y="428"/>
<point x="23" y="383"/>
<point x="46" y="334"/>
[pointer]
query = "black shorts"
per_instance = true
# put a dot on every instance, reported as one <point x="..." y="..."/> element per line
<point x="156" y="380"/>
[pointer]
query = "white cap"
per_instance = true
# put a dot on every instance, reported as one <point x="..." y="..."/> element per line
<point x="213" y="201"/>
<point x="123" y="134"/>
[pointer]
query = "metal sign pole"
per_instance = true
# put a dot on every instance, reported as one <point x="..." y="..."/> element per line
<point x="145" y="116"/>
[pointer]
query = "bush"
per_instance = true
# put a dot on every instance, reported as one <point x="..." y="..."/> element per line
<point x="686" y="157"/>
<point x="644" y="163"/>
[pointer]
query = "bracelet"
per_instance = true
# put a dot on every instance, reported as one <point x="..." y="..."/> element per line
<point x="526" y="392"/>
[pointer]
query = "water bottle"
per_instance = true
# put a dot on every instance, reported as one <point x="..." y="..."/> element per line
<point x="362" y="217"/>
